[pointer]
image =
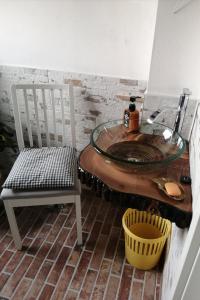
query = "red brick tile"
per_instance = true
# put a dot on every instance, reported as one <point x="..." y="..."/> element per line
<point x="18" y="256"/>
<point x="52" y="217"/>
<point x="87" y="203"/>
<point x="112" y="289"/>
<point x="38" y="260"/>
<point x="46" y="292"/>
<point x="149" y="285"/>
<point x="21" y="220"/>
<point x="39" y="281"/>
<point x="4" y="243"/>
<point x="3" y="279"/>
<point x="24" y="216"/>
<point x="88" y="285"/>
<point x="118" y="219"/>
<point x="86" y="208"/>
<point x="25" y="244"/>
<point x="91" y="217"/>
<point x="125" y="282"/>
<point x="16" y="277"/>
<point x="53" y="254"/>
<point x="114" y="237"/>
<point x="105" y="206"/>
<point x="72" y="237"/>
<point x="5" y="258"/>
<point x="109" y="219"/>
<point x="102" y="279"/>
<point x="81" y="271"/>
<point x="158" y="277"/>
<point x="93" y="274"/>
<point x="4" y="228"/>
<point x="12" y="246"/>
<point x="139" y="274"/>
<point x="33" y="215"/>
<point x="71" y="218"/>
<point x="71" y="295"/>
<point x="63" y="283"/>
<point x="99" y="252"/>
<point x="75" y="255"/>
<point x="26" y="220"/>
<point x="59" y="265"/>
<point x="67" y="208"/>
<point x="13" y="263"/>
<point x="56" y="228"/>
<point x="35" y="246"/>
<point x="119" y="259"/>
<point x="39" y="221"/>
<point x="157" y="293"/>
<point x="22" y="289"/>
<point x="136" y="292"/>
<point x="44" y="271"/>
<point x="90" y="244"/>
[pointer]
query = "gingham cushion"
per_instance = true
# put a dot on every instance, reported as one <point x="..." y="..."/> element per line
<point x="43" y="168"/>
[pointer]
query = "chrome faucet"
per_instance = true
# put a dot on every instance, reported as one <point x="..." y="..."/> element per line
<point x="182" y="105"/>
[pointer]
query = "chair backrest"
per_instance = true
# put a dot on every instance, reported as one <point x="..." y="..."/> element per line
<point x="41" y="111"/>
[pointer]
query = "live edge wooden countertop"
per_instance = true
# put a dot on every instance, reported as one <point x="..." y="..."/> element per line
<point x="93" y="163"/>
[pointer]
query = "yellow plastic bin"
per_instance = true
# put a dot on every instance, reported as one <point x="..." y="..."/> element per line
<point x="145" y="237"/>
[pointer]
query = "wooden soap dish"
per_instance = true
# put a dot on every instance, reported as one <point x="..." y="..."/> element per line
<point x="161" y="185"/>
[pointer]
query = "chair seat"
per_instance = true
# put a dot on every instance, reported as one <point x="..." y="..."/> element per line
<point x="43" y="169"/>
<point x="43" y="176"/>
<point x="9" y="194"/>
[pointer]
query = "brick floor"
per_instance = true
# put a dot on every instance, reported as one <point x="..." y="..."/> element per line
<point x="52" y="266"/>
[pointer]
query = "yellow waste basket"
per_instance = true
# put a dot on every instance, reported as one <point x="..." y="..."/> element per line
<point x="145" y="237"/>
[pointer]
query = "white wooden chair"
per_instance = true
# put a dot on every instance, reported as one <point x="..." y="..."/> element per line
<point x="29" y="97"/>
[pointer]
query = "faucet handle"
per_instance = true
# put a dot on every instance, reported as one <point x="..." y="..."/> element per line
<point x="187" y="91"/>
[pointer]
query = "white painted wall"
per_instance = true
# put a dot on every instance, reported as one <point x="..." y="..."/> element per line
<point x="175" y="59"/>
<point x="108" y="37"/>
<point x="176" y="64"/>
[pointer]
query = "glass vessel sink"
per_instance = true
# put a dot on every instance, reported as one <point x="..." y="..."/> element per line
<point x="153" y="147"/>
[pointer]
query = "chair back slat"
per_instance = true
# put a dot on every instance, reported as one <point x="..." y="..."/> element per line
<point x="37" y="118"/>
<point x="18" y="124"/>
<point x="28" y="123"/>
<point x="45" y="117"/>
<point x="64" y="140"/>
<point x="54" y="117"/>
<point x="44" y="114"/>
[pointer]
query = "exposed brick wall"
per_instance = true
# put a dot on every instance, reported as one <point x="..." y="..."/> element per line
<point x="97" y="98"/>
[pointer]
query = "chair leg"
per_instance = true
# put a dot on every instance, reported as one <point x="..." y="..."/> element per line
<point x="78" y="220"/>
<point x="13" y="224"/>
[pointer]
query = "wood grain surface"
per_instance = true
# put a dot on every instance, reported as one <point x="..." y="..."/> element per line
<point x="139" y="184"/>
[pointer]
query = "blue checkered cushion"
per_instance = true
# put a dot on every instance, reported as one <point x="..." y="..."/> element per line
<point x="43" y="168"/>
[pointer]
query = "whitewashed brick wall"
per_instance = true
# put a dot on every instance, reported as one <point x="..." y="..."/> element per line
<point x="97" y="98"/>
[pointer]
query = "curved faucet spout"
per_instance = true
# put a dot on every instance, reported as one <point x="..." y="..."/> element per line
<point x="182" y="105"/>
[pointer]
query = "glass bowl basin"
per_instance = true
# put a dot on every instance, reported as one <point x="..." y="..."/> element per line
<point x="153" y="147"/>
